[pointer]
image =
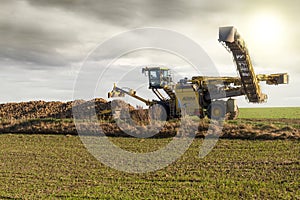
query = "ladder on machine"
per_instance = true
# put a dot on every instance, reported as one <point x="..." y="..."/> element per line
<point x="229" y="37"/>
<point x="172" y="96"/>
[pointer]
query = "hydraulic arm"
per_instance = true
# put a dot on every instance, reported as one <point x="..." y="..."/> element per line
<point x="119" y="92"/>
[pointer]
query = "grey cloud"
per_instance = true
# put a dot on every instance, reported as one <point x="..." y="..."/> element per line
<point x="124" y="13"/>
<point x="133" y="13"/>
<point x="36" y="43"/>
<point x="16" y="50"/>
<point x="33" y="59"/>
<point x="29" y="32"/>
<point x="30" y="42"/>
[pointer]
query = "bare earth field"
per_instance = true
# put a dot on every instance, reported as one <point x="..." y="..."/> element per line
<point x="41" y="156"/>
<point x="39" y="117"/>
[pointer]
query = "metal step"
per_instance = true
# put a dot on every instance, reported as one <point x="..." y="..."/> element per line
<point x="246" y="71"/>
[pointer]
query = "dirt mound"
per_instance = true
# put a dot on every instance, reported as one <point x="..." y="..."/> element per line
<point x="54" y="109"/>
<point x="57" y="118"/>
<point x="168" y="129"/>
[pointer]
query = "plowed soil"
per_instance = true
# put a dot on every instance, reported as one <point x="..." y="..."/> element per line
<point x="40" y="117"/>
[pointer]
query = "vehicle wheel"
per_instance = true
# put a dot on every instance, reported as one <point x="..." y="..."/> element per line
<point x="158" y="111"/>
<point x="217" y="110"/>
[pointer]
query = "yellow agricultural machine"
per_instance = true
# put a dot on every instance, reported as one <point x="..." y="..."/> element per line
<point x="207" y="96"/>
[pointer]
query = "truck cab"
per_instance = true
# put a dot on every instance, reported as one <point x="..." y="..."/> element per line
<point x="159" y="77"/>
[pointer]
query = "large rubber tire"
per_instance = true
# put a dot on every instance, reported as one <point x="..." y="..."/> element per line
<point x="159" y="111"/>
<point x="217" y="110"/>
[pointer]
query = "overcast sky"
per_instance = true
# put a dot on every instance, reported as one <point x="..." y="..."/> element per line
<point x="44" y="43"/>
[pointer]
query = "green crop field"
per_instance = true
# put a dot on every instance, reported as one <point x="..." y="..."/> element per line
<point x="270" y="113"/>
<point x="58" y="166"/>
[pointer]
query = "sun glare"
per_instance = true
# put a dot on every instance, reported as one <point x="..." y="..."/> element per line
<point x="266" y="28"/>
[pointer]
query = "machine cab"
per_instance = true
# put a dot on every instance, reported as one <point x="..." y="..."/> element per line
<point x="158" y="77"/>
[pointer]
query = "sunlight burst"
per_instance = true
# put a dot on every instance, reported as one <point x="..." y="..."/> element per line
<point x="267" y="28"/>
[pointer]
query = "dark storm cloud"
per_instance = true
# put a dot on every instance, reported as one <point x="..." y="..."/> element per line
<point x="138" y="12"/>
<point x="32" y="44"/>
<point x="123" y="13"/>
<point x="29" y="41"/>
<point x="38" y="44"/>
